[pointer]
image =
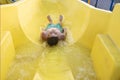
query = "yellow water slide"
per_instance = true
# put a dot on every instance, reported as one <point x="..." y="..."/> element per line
<point x="91" y="50"/>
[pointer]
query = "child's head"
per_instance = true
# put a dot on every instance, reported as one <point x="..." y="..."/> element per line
<point x="53" y="36"/>
<point x="52" y="41"/>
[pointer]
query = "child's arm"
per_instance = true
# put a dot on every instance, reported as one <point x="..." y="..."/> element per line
<point x="65" y="31"/>
<point x="63" y="35"/>
<point x="44" y="35"/>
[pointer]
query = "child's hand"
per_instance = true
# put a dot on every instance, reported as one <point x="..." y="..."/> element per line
<point x="62" y="37"/>
<point x="65" y="31"/>
<point x="44" y="35"/>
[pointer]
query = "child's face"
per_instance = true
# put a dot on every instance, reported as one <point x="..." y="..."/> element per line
<point x="53" y="32"/>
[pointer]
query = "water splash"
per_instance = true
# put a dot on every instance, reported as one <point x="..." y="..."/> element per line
<point x="51" y="61"/>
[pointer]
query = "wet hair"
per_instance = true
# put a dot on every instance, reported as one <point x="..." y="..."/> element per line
<point x="52" y="41"/>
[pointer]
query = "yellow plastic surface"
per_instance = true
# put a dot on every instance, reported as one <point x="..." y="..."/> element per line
<point x="56" y="67"/>
<point x="25" y="19"/>
<point x="63" y="76"/>
<point x="66" y="75"/>
<point x="94" y="25"/>
<point x="3" y="1"/>
<point x="7" y="1"/>
<point x="79" y="19"/>
<point x="106" y="58"/>
<point x="114" y="25"/>
<point x="7" y="53"/>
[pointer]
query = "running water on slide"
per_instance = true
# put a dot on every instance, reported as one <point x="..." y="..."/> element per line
<point x="60" y="62"/>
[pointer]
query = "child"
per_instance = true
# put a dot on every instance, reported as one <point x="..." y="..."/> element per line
<point x="53" y="33"/>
